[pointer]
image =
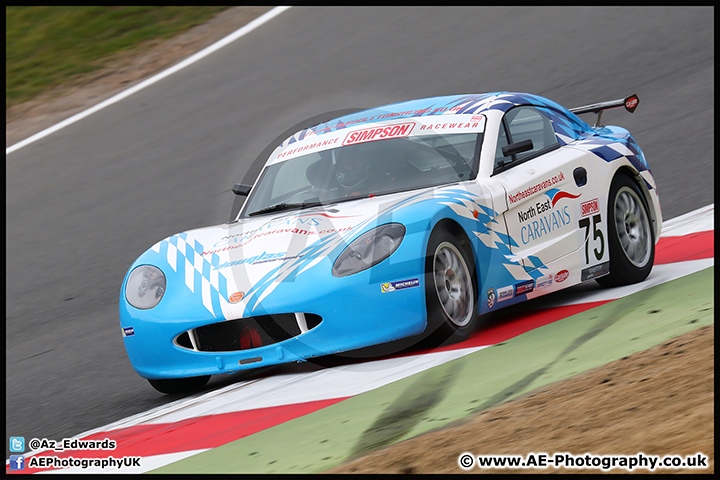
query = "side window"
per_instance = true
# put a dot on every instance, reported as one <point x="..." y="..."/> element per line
<point x="524" y="123"/>
<point x="501" y="142"/>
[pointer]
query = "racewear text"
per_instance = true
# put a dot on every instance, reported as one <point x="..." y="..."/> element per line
<point x="449" y="125"/>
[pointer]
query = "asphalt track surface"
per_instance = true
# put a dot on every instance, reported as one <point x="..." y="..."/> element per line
<point x="84" y="202"/>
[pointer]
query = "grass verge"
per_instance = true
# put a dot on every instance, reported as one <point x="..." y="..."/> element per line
<point x="47" y="46"/>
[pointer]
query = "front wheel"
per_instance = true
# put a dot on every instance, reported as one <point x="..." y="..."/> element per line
<point x="179" y="385"/>
<point x="450" y="288"/>
<point x="631" y="239"/>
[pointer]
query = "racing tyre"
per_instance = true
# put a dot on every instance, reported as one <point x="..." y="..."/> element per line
<point x="180" y="385"/>
<point x="450" y="288"/>
<point x="631" y="239"/>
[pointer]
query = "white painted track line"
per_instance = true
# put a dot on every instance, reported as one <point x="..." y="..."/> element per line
<point x="700" y="220"/>
<point x="589" y="292"/>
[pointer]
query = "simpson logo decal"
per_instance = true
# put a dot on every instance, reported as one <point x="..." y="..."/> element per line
<point x="490" y="297"/>
<point x="401" y="285"/>
<point x="524" y="287"/>
<point x="595" y="271"/>
<point x="378" y="133"/>
<point x="588" y="208"/>
<point x="561" y="276"/>
<point x="236" y="297"/>
<point x="505" y="293"/>
<point x="128" y="332"/>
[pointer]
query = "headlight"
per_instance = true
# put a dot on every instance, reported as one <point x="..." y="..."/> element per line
<point x="369" y="249"/>
<point x="145" y="287"/>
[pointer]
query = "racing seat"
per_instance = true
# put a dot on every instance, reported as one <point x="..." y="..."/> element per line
<point x="321" y="175"/>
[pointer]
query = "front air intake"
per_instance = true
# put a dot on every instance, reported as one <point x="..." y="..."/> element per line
<point x="247" y="333"/>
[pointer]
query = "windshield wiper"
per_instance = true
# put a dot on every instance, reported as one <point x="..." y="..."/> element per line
<point x="285" y="206"/>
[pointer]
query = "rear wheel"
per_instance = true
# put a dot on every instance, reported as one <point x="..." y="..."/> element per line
<point x="450" y="288"/>
<point x="631" y="238"/>
<point x="180" y="385"/>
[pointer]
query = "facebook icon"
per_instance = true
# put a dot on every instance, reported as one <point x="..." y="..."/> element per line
<point x="17" y="462"/>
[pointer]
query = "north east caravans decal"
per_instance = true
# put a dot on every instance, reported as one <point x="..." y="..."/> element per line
<point x="544" y="217"/>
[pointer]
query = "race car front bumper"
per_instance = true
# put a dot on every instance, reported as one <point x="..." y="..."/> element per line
<point x="304" y="319"/>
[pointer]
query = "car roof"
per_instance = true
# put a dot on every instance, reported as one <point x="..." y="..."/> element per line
<point x="443" y="105"/>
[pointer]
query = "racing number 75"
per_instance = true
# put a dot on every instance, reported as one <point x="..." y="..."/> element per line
<point x="597" y="233"/>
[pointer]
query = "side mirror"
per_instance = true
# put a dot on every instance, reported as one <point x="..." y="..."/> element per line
<point x="242" y="190"/>
<point x="517" y="147"/>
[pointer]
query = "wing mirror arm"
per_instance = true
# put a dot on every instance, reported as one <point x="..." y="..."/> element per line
<point x="242" y="190"/>
<point x="517" y="147"/>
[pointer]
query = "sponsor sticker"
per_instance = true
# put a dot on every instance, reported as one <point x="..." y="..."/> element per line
<point x="525" y="287"/>
<point x="595" y="271"/>
<point x="561" y="276"/>
<point x="401" y="285"/>
<point x="631" y="103"/>
<point x="539" y="187"/>
<point x="557" y="195"/>
<point x="260" y="259"/>
<point x="236" y="297"/>
<point x="378" y="133"/>
<point x="445" y="126"/>
<point x="505" y="293"/>
<point x="128" y="331"/>
<point x="590" y="207"/>
<point x="542" y="218"/>
<point x="309" y="147"/>
<point x="544" y="282"/>
<point x="491" y="297"/>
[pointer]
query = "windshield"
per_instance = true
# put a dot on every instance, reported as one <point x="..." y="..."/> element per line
<point x="365" y="169"/>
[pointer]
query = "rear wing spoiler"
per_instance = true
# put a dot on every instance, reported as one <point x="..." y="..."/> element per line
<point x="630" y="103"/>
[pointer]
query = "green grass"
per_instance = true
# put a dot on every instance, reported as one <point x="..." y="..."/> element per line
<point x="50" y="46"/>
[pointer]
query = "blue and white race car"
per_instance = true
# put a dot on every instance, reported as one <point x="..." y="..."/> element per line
<point x="408" y="219"/>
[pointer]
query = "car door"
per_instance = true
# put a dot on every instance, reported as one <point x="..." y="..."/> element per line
<point x="544" y="185"/>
